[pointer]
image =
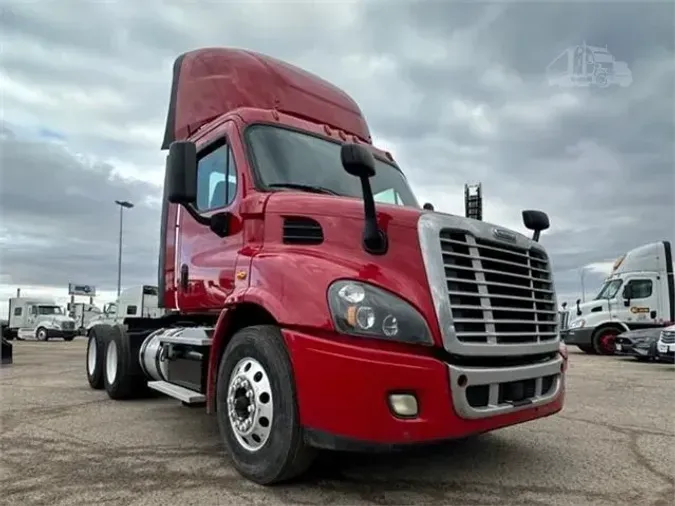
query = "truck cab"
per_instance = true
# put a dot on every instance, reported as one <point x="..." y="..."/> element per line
<point x="639" y="293"/>
<point x="310" y="301"/>
<point x="39" y="319"/>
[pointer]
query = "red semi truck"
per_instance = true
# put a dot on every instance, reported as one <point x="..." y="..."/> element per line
<point x="311" y="302"/>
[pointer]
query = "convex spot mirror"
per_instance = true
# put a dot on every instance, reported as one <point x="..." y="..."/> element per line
<point x="181" y="173"/>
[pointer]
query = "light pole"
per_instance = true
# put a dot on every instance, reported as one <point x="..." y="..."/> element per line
<point x="123" y="205"/>
<point x="583" y="285"/>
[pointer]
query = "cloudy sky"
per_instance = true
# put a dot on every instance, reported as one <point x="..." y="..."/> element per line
<point x="457" y="91"/>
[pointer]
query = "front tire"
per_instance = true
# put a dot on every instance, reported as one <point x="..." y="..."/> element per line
<point x="604" y="339"/>
<point x="256" y="407"/>
<point x="41" y="334"/>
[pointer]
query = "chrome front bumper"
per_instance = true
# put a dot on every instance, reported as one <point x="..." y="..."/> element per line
<point x="544" y="380"/>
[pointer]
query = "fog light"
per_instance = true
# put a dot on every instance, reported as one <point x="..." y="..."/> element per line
<point x="403" y="404"/>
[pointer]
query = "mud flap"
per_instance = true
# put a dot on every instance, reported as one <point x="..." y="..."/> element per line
<point x="7" y="352"/>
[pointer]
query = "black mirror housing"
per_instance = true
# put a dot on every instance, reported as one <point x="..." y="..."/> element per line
<point x="181" y="173"/>
<point x="535" y="220"/>
<point x="428" y="206"/>
<point x="358" y="161"/>
<point x="628" y="292"/>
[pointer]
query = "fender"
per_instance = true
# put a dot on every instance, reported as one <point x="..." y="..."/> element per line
<point x="222" y="332"/>
<point x="611" y="324"/>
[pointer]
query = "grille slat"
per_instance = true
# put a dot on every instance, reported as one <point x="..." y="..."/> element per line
<point x="499" y="294"/>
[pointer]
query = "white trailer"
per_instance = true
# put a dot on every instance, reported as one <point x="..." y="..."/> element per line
<point x="639" y="293"/>
<point x="41" y="319"/>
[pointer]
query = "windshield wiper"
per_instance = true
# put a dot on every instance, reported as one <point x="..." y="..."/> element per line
<point x="305" y="187"/>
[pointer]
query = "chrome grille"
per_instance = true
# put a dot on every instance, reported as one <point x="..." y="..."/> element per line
<point x="499" y="293"/>
<point x="668" y="337"/>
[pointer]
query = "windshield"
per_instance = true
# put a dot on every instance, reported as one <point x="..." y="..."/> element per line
<point x="609" y="289"/>
<point x="281" y="156"/>
<point x="47" y="310"/>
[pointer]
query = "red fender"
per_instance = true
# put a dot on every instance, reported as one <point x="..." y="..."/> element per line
<point x="221" y="333"/>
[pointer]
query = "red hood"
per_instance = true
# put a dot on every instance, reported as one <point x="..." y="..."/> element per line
<point x="308" y="204"/>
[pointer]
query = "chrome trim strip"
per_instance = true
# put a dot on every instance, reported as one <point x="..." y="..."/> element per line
<point x="493" y="377"/>
<point x="429" y="227"/>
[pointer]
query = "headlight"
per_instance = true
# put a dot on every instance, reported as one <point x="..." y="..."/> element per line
<point x="364" y="310"/>
<point x="577" y="324"/>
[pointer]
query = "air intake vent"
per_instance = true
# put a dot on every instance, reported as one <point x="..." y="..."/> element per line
<point x="299" y="230"/>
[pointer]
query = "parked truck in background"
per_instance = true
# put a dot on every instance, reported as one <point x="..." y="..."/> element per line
<point x="639" y="293"/>
<point x="141" y="301"/>
<point x="41" y="319"/>
<point x="311" y="302"/>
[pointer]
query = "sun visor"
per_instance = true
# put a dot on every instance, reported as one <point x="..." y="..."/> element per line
<point x="208" y="83"/>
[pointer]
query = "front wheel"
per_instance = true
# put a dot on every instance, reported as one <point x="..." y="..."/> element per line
<point x="256" y="407"/>
<point x="41" y="334"/>
<point x="604" y="339"/>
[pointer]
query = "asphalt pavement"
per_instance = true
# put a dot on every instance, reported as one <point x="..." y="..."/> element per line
<point x="62" y="443"/>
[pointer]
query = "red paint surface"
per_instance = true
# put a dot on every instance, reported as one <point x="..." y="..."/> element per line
<point x="342" y="389"/>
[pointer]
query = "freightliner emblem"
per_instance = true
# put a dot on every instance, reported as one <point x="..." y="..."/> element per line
<point x="504" y="235"/>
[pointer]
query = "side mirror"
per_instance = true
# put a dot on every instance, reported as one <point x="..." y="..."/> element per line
<point x="358" y="161"/>
<point x="627" y="295"/>
<point x="564" y="305"/>
<point x="536" y="221"/>
<point x="428" y="206"/>
<point x="181" y="173"/>
<point x="578" y="308"/>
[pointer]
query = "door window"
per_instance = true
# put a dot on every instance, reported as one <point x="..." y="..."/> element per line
<point x="642" y="288"/>
<point x="216" y="179"/>
<point x="17" y="311"/>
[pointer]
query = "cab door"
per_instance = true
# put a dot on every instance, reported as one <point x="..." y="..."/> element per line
<point x="643" y="307"/>
<point x="206" y="262"/>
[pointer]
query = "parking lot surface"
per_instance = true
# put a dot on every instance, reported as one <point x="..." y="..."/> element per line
<point x="63" y="443"/>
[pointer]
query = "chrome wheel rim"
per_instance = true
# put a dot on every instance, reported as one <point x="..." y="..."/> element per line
<point x="249" y="404"/>
<point x="111" y="362"/>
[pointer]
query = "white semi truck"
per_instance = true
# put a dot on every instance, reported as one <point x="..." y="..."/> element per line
<point x="639" y="293"/>
<point x="41" y="319"/>
<point x="135" y="302"/>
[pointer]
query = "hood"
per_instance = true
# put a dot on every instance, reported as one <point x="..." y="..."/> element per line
<point x="288" y="203"/>
<point x="59" y="318"/>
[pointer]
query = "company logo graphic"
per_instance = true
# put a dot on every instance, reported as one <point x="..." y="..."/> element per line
<point x="504" y="235"/>
<point x="587" y="66"/>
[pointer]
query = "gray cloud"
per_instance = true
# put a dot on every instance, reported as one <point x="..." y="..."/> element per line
<point x="457" y="88"/>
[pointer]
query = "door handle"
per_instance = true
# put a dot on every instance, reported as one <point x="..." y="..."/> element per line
<point x="184" y="272"/>
<point x="653" y="314"/>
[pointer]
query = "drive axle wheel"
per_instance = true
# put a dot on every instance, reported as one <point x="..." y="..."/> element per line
<point x="604" y="339"/>
<point x="257" y="410"/>
<point x="95" y="358"/>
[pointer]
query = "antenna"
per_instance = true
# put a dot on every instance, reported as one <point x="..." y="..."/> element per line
<point x="473" y="201"/>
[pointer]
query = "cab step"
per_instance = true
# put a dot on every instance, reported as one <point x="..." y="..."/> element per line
<point x="183" y="394"/>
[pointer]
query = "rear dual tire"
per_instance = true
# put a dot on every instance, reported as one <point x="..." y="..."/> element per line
<point x="112" y="363"/>
<point x="256" y="407"/>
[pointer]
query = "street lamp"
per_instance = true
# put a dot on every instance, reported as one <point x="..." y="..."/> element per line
<point x="123" y="205"/>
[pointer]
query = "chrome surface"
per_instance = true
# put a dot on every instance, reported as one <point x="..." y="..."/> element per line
<point x="496" y="379"/>
<point x="249" y="404"/>
<point x="492" y="297"/>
